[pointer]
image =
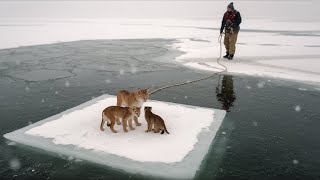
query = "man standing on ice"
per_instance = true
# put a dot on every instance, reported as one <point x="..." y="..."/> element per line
<point x="231" y="23"/>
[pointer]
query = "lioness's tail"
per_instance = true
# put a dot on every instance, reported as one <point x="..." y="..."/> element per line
<point x="119" y="98"/>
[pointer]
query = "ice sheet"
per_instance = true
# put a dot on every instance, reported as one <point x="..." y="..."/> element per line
<point x="40" y="75"/>
<point x="275" y="43"/>
<point x="76" y="133"/>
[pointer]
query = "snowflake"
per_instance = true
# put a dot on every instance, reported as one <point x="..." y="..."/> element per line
<point x="14" y="164"/>
<point x="121" y="72"/>
<point x="297" y="108"/>
<point x="67" y="84"/>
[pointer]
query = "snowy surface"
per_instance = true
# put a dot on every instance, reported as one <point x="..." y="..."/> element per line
<point x="76" y="132"/>
<point x="282" y="42"/>
<point x="81" y="128"/>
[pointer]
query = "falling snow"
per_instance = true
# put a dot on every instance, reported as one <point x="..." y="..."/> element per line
<point x="27" y="89"/>
<point x="133" y="69"/>
<point x="295" y="161"/>
<point x="255" y="123"/>
<point x="121" y="72"/>
<point x="14" y="164"/>
<point x="261" y="84"/>
<point x="297" y="108"/>
<point x="302" y="89"/>
<point x="67" y="83"/>
<point x="108" y="81"/>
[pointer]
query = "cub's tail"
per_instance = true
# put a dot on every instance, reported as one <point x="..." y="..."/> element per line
<point x="165" y="129"/>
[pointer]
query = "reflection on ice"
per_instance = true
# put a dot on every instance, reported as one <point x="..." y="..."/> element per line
<point x="225" y="93"/>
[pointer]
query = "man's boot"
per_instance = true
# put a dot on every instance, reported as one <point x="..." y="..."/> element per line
<point x="226" y="56"/>
<point x="230" y="57"/>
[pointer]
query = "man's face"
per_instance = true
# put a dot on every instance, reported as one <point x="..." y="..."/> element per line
<point x="229" y="9"/>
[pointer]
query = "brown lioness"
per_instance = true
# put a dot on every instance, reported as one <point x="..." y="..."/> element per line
<point x="110" y="114"/>
<point x="155" y="120"/>
<point x="130" y="99"/>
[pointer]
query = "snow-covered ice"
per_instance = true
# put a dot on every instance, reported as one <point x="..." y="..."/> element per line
<point x="81" y="128"/>
<point x="76" y="133"/>
<point x="273" y="43"/>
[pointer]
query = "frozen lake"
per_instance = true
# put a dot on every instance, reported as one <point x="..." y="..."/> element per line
<point x="271" y="128"/>
<point x="273" y="43"/>
<point x="57" y="55"/>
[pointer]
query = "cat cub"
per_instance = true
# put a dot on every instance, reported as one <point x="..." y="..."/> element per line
<point x="111" y="113"/>
<point x="155" y="121"/>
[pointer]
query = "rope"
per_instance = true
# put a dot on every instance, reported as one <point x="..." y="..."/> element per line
<point x="197" y="80"/>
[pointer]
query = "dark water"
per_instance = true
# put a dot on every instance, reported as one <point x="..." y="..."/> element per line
<point x="271" y="129"/>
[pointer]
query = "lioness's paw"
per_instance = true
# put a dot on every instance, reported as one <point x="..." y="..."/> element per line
<point x="138" y="124"/>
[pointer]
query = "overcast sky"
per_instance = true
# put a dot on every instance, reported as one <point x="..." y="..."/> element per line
<point x="159" y="9"/>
